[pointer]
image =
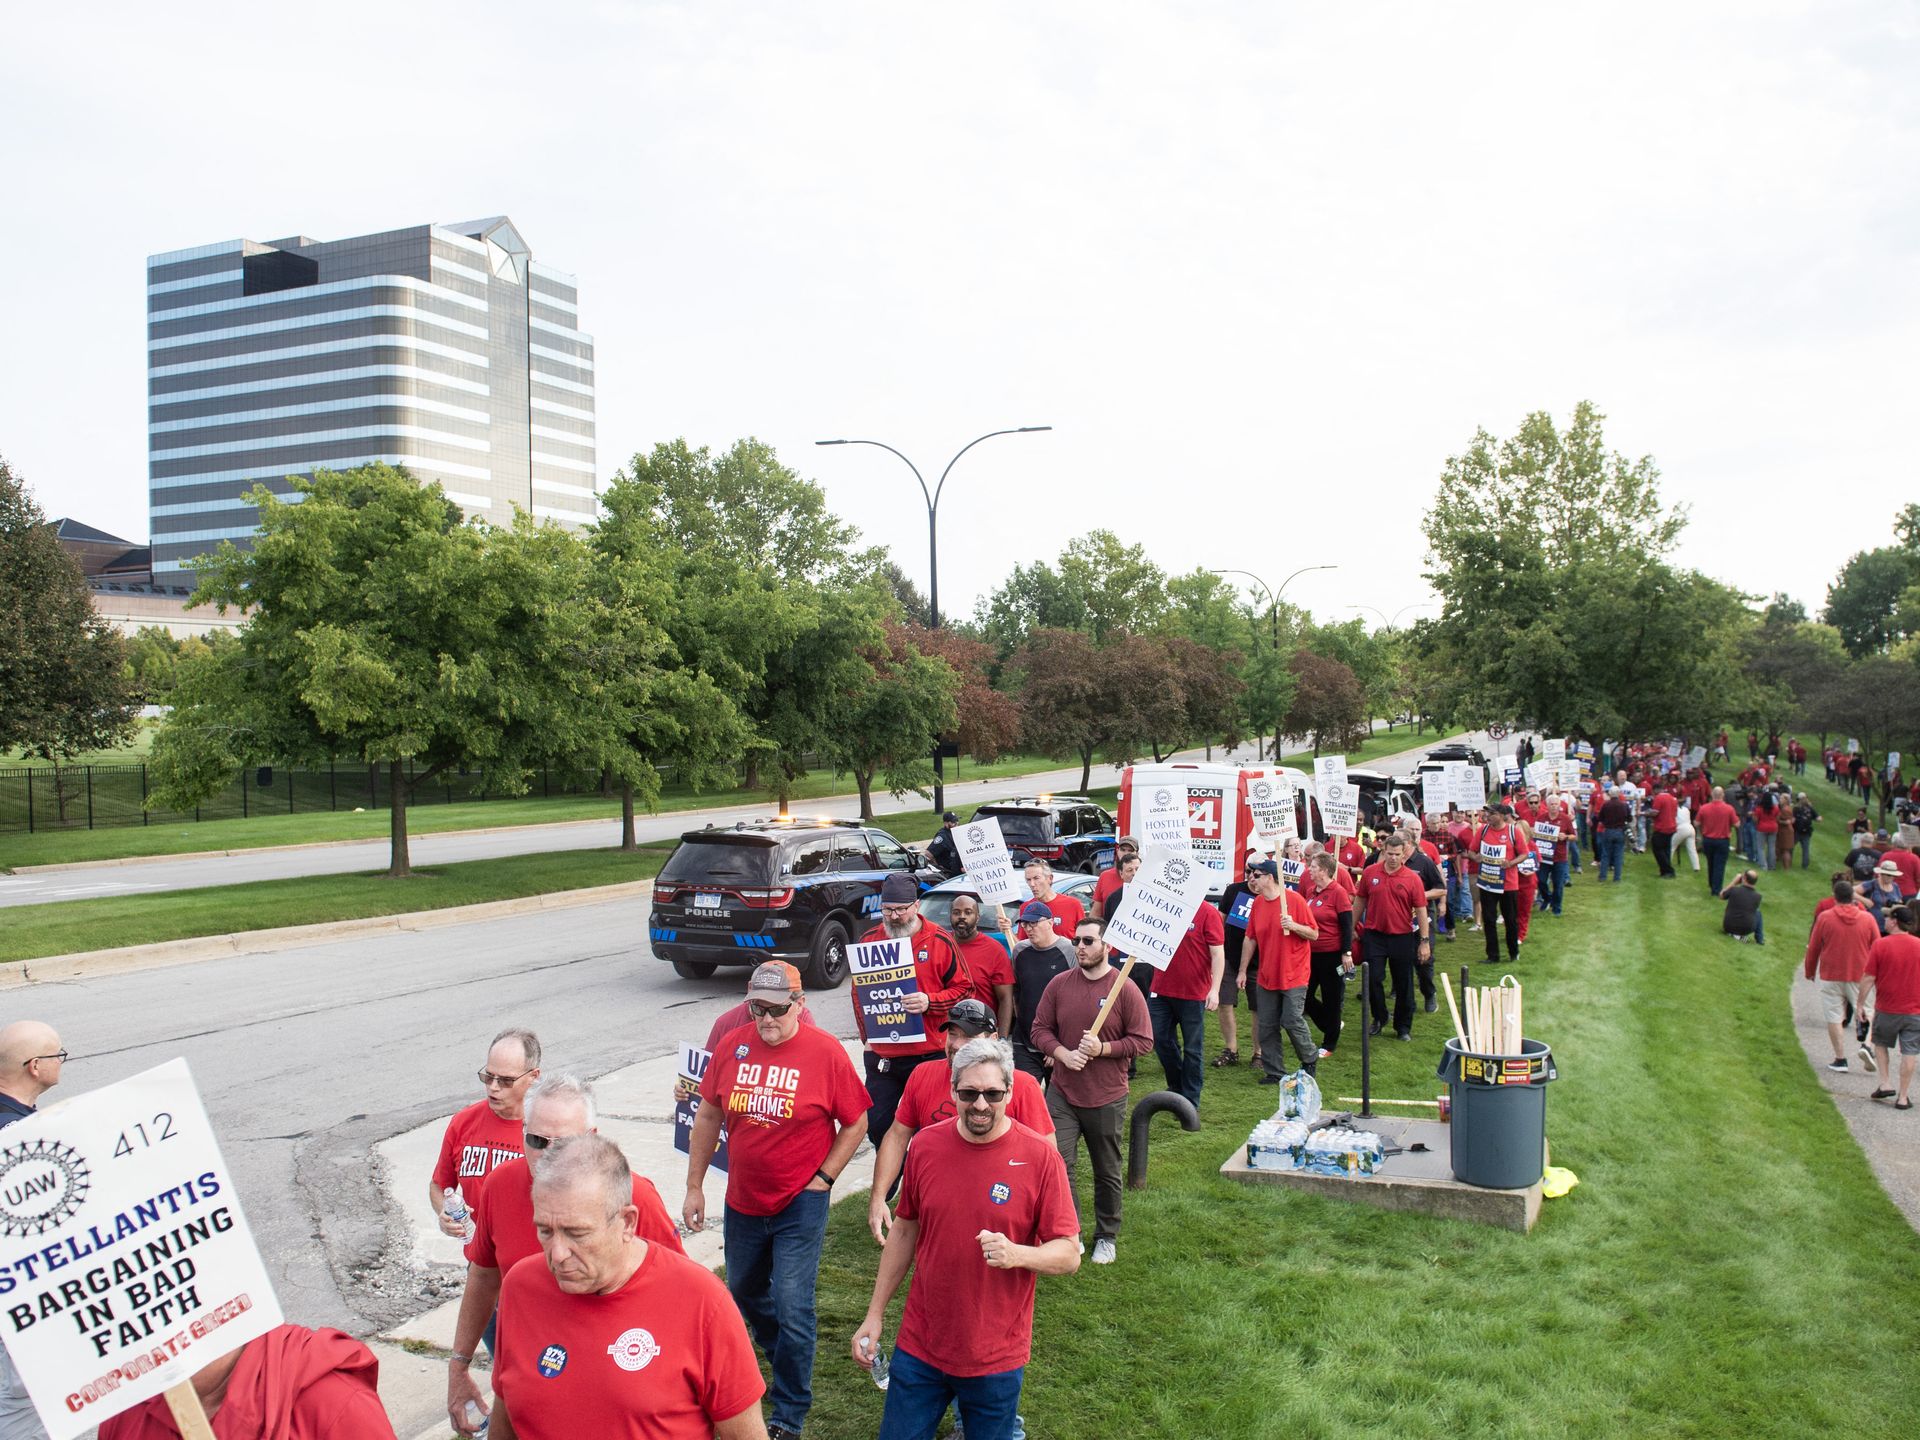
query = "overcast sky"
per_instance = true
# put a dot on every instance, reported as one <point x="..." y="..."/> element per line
<point x="1239" y="256"/>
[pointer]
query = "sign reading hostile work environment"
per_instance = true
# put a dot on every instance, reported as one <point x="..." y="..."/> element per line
<point x="125" y="1261"/>
<point x="1160" y="815"/>
<point x="882" y="979"/>
<point x="1159" y="905"/>
<point x="1271" y="806"/>
<point x="687" y="1102"/>
<point x="983" y="852"/>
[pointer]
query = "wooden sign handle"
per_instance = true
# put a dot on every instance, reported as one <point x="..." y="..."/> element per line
<point x="1114" y="994"/>
<point x="189" y="1416"/>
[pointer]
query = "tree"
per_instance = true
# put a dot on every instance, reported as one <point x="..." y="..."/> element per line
<point x="1368" y="655"/>
<point x="913" y="605"/>
<point x="1792" y="665"/>
<point x="1205" y="608"/>
<point x="1035" y="597"/>
<point x="382" y="627"/>
<point x="1066" y="697"/>
<point x="1329" y="704"/>
<point x="63" y="682"/>
<point x="155" y="656"/>
<point x="1122" y="589"/>
<point x="1863" y="604"/>
<point x="886" y="725"/>
<point x="1876" y="701"/>
<point x="987" y="723"/>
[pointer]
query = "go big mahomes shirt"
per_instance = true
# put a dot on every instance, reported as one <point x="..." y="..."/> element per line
<point x="780" y="1104"/>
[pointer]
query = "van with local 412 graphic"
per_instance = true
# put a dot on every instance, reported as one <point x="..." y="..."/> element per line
<point x="1227" y="806"/>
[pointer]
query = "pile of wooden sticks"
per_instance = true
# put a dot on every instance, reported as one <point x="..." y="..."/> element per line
<point x="1494" y="1016"/>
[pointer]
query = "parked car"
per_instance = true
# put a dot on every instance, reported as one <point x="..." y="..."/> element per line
<point x="1069" y="832"/>
<point x="1382" y="797"/>
<point x="778" y="889"/>
<point x="937" y="904"/>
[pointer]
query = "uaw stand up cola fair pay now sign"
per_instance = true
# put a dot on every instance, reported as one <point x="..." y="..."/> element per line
<point x="882" y="979"/>
<point x="125" y="1263"/>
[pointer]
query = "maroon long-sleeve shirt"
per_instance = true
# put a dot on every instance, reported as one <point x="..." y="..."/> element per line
<point x="1066" y="1012"/>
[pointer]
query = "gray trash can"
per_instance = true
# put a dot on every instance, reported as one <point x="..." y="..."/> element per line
<point x="1499" y="1114"/>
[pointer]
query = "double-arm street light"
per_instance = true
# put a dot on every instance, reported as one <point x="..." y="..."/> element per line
<point x="1273" y="608"/>
<point x="1391" y="623"/>
<point x="932" y="497"/>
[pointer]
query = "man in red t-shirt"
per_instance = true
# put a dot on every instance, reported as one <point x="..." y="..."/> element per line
<point x="793" y="1104"/>
<point x="1496" y="858"/>
<point x="487" y="1132"/>
<point x="939" y="971"/>
<point x="985" y="1207"/>
<point x="1391" y="911"/>
<point x="1893" y="989"/>
<point x="1351" y="854"/>
<point x="988" y="961"/>
<point x="291" y="1383"/>
<point x="928" y="1100"/>
<point x="503" y="1235"/>
<point x="1900" y="855"/>
<point x="610" y="1335"/>
<point x="1665" y="806"/>
<point x="1066" y="909"/>
<point x="1109" y="880"/>
<point x="1280" y="928"/>
<point x="1715" y="822"/>
<point x="1180" y="998"/>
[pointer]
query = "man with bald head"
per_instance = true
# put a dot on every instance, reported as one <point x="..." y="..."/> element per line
<point x="30" y="1064"/>
<point x="606" y="1334"/>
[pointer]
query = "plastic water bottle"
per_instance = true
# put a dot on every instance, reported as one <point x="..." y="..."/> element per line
<point x="477" y="1418"/>
<point x="881" y="1366"/>
<point x="455" y="1209"/>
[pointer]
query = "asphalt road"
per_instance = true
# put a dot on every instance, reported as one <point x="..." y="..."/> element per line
<point x="153" y="876"/>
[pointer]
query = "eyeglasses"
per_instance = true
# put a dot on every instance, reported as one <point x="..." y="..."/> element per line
<point x="489" y="1079"/>
<point x="899" y="910"/>
<point x="537" y="1142"/>
<point x="969" y="1096"/>
<point x="767" y="1010"/>
<point x="57" y="1055"/>
<point x="1086" y="939"/>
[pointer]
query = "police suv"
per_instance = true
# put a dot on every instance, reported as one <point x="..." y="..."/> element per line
<point x="778" y="889"/>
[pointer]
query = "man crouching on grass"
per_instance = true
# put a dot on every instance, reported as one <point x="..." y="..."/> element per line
<point x="984" y="1208"/>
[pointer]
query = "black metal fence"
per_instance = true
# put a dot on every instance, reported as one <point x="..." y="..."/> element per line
<point x="95" y="797"/>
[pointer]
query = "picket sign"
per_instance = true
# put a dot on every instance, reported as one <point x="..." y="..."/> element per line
<point x="1159" y="905"/>
<point x="189" y="1415"/>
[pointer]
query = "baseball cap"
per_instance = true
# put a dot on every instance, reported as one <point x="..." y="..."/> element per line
<point x="899" y="889"/>
<point x="1035" y="910"/>
<point x="773" y="977"/>
<point x="949" y="815"/>
<point x="1263" y="867"/>
<point x="971" y="1017"/>
<point x="1127" y="842"/>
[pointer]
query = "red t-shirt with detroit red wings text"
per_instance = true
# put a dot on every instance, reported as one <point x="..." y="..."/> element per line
<point x="664" y="1357"/>
<point x="503" y="1233"/>
<point x="928" y="1100"/>
<point x="1189" y="976"/>
<point x="476" y="1141"/>
<point x="780" y="1104"/>
<point x="962" y="1316"/>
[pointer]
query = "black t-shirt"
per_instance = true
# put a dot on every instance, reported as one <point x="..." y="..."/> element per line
<point x="1743" y="907"/>
<point x="1033" y="968"/>
<point x="1428" y="872"/>
<point x="1236" y="936"/>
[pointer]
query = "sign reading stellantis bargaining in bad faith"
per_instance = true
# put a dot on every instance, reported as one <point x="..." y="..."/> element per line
<point x="1161" y="816"/>
<point x="1436" y="793"/>
<point x="125" y="1262"/>
<point x="882" y="979"/>
<point x="983" y="851"/>
<point x="686" y="1104"/>
<point x="1159" y="905"/>
<point x="1270" y="804"/>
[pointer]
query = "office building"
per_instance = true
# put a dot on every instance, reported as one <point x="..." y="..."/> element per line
<point x="444" y="348"/>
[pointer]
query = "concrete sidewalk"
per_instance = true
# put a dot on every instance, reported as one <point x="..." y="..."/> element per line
<point x="635" y="1105"/>
<point x="1890" y="1138"/>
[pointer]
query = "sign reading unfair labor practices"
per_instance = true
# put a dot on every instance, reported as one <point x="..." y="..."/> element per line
<point x="686" y="1104"/>
<point x="1340" y="807"/>
<point x="882" y="979"/>
<point x="1159" y="905"/>
<point x="983" y="851"/>
<point x="1160" y="816"/>
<point x="125" y="1261"/>
<point x="1270" y="803"/>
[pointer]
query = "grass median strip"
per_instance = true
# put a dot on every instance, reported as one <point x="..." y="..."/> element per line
<point x="65" y="927"/>
<point x="1724" y="1268"/>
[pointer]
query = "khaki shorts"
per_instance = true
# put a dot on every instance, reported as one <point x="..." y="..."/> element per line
<point x="1903" y="1030"/>
<point x="1837" y="999"/>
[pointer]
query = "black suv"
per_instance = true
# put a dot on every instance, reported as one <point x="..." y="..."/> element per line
<point x="1069" y="832"/>
<point x="794" y="890"/>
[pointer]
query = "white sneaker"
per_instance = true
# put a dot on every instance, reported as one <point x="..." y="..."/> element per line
<point x="1103" y="1252"/>
<point x="1866" y="1059"/>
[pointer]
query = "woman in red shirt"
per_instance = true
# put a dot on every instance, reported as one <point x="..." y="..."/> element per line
<point x="1332" y="909"/>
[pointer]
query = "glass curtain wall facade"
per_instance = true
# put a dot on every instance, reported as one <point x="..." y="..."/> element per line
<point x="443" y="348"/>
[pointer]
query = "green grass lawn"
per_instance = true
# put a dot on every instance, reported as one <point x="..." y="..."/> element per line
<point x="1727" y="1266"/>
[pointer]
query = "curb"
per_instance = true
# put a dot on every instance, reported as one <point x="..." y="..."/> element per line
<point x="91" y="963"/>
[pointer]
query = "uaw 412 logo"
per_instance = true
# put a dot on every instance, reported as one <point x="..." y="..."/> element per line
<point x="1261" y="790"/>
<point x="1178" y="869"/>
<point x="634" y="1350"/>
<point x="42" y="1183"/>
<point x="976" y="834"/>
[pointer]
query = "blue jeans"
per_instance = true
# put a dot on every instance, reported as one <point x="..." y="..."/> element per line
<point x="917" y="1396"/>
<point x="1460" y="896"/>
<point x="772" y="1261"/>
<point x="1806" y="848"/>
<point x="1181" y="1054"/>
<point x="1749" y="839"/>
<point x="1613" y="850"/>
<point x="1553" y="886"/>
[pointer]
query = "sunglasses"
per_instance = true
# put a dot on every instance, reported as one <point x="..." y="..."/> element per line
<point x="767" y="1010"/>
<point x="537" y="1142"/>
<point x="968" y="1095"/>
<point x="489" y="1079"/>
<point x="1086" y="939"/>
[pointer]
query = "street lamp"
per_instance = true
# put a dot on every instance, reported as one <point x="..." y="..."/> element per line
<point x="1417" y="605"/>
<point x="1273" y="606"/>
<point x="932" y="497"/>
